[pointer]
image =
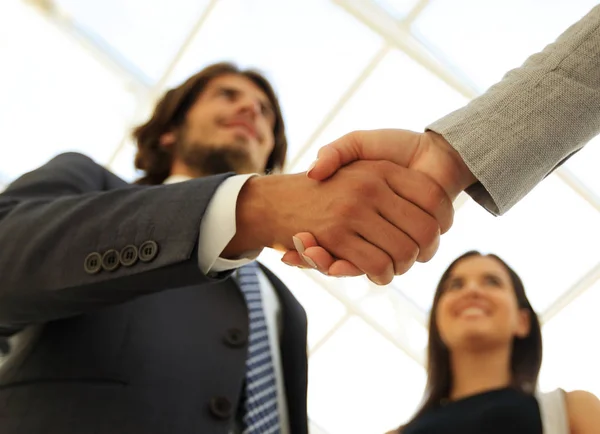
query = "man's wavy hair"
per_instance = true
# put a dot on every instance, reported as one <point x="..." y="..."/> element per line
<point x="170" y="112"/>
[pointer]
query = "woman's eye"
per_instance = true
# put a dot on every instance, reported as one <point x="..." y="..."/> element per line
<point x="492" y="281"/>
<point x="454" y="284"/>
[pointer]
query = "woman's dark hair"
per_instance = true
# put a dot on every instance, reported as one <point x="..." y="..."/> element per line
<point x="526" y="358"/>
<point x="170" y="112"/>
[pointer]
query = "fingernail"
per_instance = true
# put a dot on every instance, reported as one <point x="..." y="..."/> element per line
<point x="311" y="167"/>
<point x="298" y="245"/>
<point x="309" y="261"/>
<point x="287" y="263"/>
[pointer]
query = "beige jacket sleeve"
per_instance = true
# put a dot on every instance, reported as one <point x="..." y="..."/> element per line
<point x="529" y="123"/>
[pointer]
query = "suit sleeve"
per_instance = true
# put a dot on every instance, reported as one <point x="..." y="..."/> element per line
<point x="51" y="219"/>
<point x="533" y="120"/>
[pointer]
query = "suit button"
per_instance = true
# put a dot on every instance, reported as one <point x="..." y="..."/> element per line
<point x="148" y="251"/>
<point x="93" y="263"/>
<point x="110" y="260"/>
<point x="129" y="255"/>
<point x="235" y="338"/>
<point x="220" y="407"/>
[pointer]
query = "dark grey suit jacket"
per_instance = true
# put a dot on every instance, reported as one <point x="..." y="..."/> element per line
<point x="136" y="340"/>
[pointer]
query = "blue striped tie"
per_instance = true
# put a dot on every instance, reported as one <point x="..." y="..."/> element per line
<point x="260" y="408"/>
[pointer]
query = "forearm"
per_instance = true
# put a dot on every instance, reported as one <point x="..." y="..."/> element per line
<point x="267" y="212"/>
<point x="525" y="126"/>
<point x="45" y="243"/>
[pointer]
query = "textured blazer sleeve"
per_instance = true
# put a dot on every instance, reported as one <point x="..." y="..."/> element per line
<point x="529" y="123"/>
<point x="51" y="219"/>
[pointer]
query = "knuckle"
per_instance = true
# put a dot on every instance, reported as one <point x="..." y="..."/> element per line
<point x="379" y="265"/>
<point x="381" y="280"/>
<point x="429" y="232"/>
<point x="427" y="254"/>
<point x="406" y="258"/>
<point x="436" y="196"/>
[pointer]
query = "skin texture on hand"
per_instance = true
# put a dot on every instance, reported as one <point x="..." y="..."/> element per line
<point x="427" y="153"/>
<point x="374" y="214"/>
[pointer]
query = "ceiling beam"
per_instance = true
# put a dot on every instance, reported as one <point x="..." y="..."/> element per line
<point x="567" y="297"/>
<point x="398" y="35"/>
<point x="155" y="92"/>
<point x="337" y="107"/>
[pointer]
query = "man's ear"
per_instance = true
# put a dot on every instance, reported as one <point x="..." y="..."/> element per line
<point x="167" y="139"/>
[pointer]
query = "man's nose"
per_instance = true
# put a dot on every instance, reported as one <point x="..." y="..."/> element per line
<point x="250" y="106"/>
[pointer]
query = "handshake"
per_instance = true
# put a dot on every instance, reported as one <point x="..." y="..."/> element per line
<point x="373" y="203"/>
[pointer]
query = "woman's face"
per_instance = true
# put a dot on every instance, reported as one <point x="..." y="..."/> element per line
<point x="478" y="307"/>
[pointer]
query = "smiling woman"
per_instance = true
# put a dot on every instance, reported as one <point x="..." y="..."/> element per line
<point x="484" y="357"/>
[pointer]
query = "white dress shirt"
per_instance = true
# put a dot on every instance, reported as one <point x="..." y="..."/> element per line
<point x="217" y="229"/>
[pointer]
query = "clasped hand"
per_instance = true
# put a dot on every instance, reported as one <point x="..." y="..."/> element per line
<point x="394" y="200"/>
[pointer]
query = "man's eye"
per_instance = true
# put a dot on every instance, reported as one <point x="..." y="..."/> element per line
<point x="228" y="93"/>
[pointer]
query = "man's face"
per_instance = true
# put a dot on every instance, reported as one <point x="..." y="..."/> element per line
<point x="229" y="128"/>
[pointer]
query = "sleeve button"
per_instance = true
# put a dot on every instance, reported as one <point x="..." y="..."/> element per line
<point x="148" y="251"/>
<point x="93" y="263"/>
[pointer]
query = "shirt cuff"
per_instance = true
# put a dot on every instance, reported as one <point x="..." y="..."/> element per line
<point x="218" y="227"/>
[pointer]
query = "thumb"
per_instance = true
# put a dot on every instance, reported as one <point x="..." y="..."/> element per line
<point x="397" y="146"/>
<point x="328" y="161"/>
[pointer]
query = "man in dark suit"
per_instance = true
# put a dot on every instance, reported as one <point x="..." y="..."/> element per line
<point x="121" y="301"/>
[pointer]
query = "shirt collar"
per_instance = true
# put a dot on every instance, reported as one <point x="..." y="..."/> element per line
<point x="173" y="179"/>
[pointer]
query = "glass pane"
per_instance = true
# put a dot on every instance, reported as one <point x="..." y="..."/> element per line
<point x="584" y="165"/>
<point x="311" y="50"/>
<point x="55" y="96"/>
<point x="360" y="383"/>
<point x="396" y="315"/>
<point x="571" y="353"/>
<point x="487" y="38"/>
<point x="398" y="94"/>
<point x="123" y="163"/>
<point x="322" y="309"/>
<point x="550" y="238"/>
<point x="144" y="34"/>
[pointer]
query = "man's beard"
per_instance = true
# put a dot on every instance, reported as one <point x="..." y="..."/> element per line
<point x="210" y="159"/>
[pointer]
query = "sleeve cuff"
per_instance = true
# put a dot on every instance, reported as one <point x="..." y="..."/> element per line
<point x="218" y="228"/>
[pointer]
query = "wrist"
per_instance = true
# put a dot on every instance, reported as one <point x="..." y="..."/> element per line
<point x="458" y="177"/>
<point x="251" y="220"/>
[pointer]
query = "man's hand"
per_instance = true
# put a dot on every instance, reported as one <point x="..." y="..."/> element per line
<point x="428" y="153"/>
<point x="374" y="214"/>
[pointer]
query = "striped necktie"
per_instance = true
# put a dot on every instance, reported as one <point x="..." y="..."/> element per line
<point x="260" y="406"/>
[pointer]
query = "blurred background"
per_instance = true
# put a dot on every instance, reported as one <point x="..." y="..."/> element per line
<point x="77" y="75"/>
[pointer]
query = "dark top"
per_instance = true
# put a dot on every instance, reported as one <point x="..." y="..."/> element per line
<point x="498" y="411"/>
